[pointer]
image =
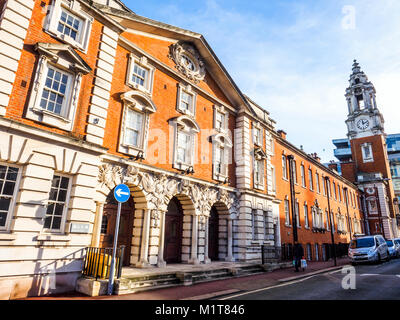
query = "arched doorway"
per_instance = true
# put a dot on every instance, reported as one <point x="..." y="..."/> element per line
<point x="213" y="226"/>
<point x="173" y="232"/>
<point x="125" y="225"/>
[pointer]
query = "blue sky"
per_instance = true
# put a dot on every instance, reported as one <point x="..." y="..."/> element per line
<point x="294" y="57"/>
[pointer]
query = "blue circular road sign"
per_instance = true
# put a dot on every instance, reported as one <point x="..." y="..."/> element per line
<point x="122" y="193"/>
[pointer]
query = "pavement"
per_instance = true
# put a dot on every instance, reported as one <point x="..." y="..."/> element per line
<point x="214" y="289"/>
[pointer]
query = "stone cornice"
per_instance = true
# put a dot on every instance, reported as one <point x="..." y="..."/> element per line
<point x="11" y="126"/>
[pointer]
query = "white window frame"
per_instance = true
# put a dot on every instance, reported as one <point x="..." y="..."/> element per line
<point x="284" y="167"/>
<point x="253" y="224"/>
<point x="310" y="178"/>
<point x="225" y="114"/>
<point x="365" y="158"/>
<point x="143" y="63"/>
<point x="64" y="120"/>
<point x="66" y="207"/>
<point x="317" y="182"/>
<point x="287" y="211"/>
<point x="273" y="181"/>
<point x="303" y="176"/>
<point x="190" y="127"/>
<point x="188" y="89"/>
<point x="257" y="134"/>
<point x="294" y="168"/>
<point x="259" y="159"/>
<point x="11" y="207"/>
<point x="73" y="9"/>
<point x="221" y="141"/>
<point x="297" y="208"/>
<point x="140" y="103"/>
<point x="306" y="221"/>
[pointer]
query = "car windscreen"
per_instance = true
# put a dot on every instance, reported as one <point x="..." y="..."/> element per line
<point x="389" y="243"/>
<point x="362" y="243"/>
<point x="397" y="241"/>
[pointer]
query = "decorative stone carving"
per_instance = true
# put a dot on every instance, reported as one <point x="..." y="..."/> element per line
<point x="110" y="175"/>
<point x="188" y="61"/>
<point x="159" y="188"/>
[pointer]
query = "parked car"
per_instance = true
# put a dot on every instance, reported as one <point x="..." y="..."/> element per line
<point x="393" y="248"/>
<point x="368" y="249"/>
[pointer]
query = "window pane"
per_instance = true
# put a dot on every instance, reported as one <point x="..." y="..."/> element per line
<point x="3" y="219"/>
<point x="59" y="209"/>
<point x="64" y="182"/>
<point x="3" y="171"/>
<point x="4" y="204"/>
<point x="47" y="222"/>
<point x="53" y="194"/>
<point x="62" y="195"/>
<point x="9" y="188"/>
<point x="56" y="181"/>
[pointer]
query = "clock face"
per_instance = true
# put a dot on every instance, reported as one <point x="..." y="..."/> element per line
<point x="362" y="124"/>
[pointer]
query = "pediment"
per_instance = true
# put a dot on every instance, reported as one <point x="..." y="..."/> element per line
<point x="63" y="54"/>
<point x="259" y="153"/>
<point x="134" y="97"/>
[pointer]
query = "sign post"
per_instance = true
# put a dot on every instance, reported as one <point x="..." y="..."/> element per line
<point x="121" y="194"/>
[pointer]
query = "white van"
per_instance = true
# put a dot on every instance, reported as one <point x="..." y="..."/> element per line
<point x="368" y="249"/>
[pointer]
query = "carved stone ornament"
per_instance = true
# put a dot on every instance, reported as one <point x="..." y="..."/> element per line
<point x="159" y="188"/>
<point x="188" y="61"/>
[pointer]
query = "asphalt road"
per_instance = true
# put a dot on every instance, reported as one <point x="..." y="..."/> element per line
<point x="372" y="282"/>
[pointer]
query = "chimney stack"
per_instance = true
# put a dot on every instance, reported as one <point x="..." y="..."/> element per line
<point x="282" y="134"/>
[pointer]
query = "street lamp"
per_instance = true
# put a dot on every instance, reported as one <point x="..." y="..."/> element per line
<point x="330" y="218"/>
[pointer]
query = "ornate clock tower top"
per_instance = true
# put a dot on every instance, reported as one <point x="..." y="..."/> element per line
<point x="364" y="118"/>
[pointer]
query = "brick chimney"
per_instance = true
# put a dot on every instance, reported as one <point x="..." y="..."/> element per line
<point x="315" y="156"/>
<point x="332" y="165"/>
<point x="282" y="134"/>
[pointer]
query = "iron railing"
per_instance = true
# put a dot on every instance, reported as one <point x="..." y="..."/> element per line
<point x="97" y="262"/>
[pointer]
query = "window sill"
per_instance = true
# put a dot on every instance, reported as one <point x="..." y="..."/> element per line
<point x="67" y="39"/>
<point x="7" y="236"/>
<point x="139" y="88"/>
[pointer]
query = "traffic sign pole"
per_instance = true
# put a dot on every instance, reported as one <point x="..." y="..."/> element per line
<point x="112" y="270"/>
<point x="121" y="194"/>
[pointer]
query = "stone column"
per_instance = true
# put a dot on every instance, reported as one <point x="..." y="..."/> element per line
<point x="160" y="262"/>
<point x="229" y="256"/>
<point x="193" y="252"/>
<point x="144" y="251"/>
<point x="206" y="258"/>
<point x="97" y="224"/>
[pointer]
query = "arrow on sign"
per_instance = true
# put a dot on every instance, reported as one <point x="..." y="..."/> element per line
<point x="119" y="192"/>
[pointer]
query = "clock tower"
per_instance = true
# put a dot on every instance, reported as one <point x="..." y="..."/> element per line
<point x="369" y="164"/>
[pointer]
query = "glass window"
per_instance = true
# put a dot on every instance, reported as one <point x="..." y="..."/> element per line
<point x="310" y="179"/>
<point x="284" y="166"/>
<point x="8" y="178"/>
<point x="219" y="159"/>
<point x="186" y="101"/>
<point x="317" y="182"/>
<point x="55" y="90"/>
<point x="287" y="214"/>
<point x="104" y="225"/>
<point x="133" y="127"/>
<point x="303" y="177"/>
<point x="139" y="75"/>
<point x="69" y="25"/>
<point x="56" y="203"/>
<point x="259" y="172"/>
<point x="219" y="120"/>
<point x="306" y="216"/>
<point x="183" y="147"/>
